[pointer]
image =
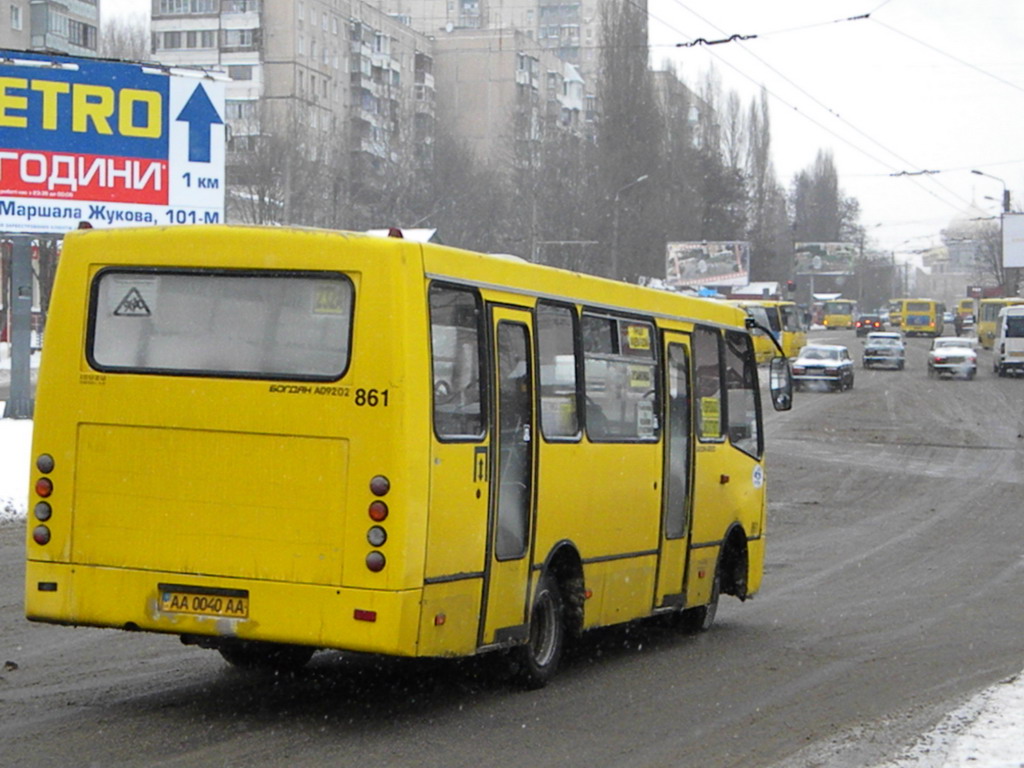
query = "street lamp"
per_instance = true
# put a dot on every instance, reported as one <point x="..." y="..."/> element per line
<point x="615" y="222"/>
<point x="1006" y="191"/>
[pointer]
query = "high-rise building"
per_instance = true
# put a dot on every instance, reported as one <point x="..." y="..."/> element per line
<point x="336" y="74"/>
<point x="68" y="27"/>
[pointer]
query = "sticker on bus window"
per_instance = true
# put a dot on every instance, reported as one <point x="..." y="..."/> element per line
<point x="132" y="296"/>
<point x="330" y="299"/>
<point x="710" y="419"/>
<point x="638" y="337"/>
<point x="640" y="377"/>
<point x="645" y="421"/>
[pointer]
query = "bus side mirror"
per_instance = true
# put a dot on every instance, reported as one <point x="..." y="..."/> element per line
<point x="780" y="382"/>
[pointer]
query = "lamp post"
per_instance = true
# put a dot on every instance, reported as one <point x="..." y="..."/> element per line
<point x="615" y="222"/>
<point x="1011" y="275"/>
<point x="1006" y="191"/>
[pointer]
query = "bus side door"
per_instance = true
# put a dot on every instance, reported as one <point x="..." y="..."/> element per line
<point x="510" y="520"/>
<point x="677" y="472"/>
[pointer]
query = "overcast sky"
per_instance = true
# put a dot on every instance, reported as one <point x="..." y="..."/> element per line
<point x="934" y="85"/>
<point x="919" y="85"/>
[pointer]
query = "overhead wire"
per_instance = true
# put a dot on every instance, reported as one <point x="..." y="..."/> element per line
<point x="822" y="105"/>
<point x="948" y="55"/>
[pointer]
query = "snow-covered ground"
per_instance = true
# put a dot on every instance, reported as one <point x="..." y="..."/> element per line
<point x="985" y="732"/>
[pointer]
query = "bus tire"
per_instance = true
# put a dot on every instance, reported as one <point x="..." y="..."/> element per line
<point x="701" y="618"/>
<point x="252" y="654"/>
<point x="535" y="662"/>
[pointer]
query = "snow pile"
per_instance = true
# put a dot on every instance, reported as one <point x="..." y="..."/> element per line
<point x="985" y="732"/>
<point x="15" y="446"/>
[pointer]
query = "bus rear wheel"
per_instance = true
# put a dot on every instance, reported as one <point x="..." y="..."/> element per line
<point x="535" y="662"/>
<point x="252" y="654"/>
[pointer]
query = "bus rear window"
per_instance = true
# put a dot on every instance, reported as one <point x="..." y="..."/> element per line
<point x="216" y="323"/>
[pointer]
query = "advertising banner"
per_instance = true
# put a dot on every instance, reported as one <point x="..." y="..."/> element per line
<point x="725" y="263"/>
<point x="108" y="143"/>
<point x="1013" y="240"/>
<point x="825" y="257"/>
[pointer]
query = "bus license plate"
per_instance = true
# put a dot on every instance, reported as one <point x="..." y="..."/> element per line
<point x="230" y="606"/>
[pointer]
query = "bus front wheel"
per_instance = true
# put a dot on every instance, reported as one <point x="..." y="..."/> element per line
<point x="535" y="662"/>
<point x="700" y="619"/>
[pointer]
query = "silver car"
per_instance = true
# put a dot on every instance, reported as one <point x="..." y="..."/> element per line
<point x="884" y="349"/>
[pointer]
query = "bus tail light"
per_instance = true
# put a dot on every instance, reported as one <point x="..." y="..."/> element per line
<point x="41" y="534"/>
<point x="378" y="511"/>
<point x="44" y="486"/>
<point x="375" y="561"/>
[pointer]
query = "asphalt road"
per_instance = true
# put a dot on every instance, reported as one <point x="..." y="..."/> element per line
<point x="892" y="592"/>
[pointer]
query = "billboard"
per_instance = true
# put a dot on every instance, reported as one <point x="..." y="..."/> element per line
<point x="110" y="143"/>
<point x="1013" y="240"/>
<point x="725" y="262"/>
<point x="825" y="257"/>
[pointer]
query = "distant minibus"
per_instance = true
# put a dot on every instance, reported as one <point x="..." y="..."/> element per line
<point x="794" y="333"/>
<point x="1008" y="351"/>
<point x="767" y="318"/>
<point x="965" y="308"/>
<point x="987" y="321"/>
<point x="268" y="441"/>
<point x="895" y="319"/>
<point x="922" y="317"/>
<point x="840" y="313"/>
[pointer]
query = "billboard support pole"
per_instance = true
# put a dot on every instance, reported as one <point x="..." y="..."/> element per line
<point x="20" y="402"/>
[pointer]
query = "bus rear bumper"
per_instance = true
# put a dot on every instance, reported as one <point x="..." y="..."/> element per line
<point x="369" y="621"/>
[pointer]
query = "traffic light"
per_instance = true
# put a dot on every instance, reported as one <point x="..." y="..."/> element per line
<point x="791" y="285"/>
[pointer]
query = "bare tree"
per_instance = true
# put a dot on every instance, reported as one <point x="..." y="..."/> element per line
<point x="630" y="144"/>
<point x="125" y="38"/>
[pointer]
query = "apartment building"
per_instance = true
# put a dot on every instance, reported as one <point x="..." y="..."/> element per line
<point x="69" y="27"/>
<point x="495" y="90"/>
<point x="323" y="71"/>
<point x="569" y="28"/>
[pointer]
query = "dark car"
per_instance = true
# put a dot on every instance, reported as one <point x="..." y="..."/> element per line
<point x="867" y="323"/>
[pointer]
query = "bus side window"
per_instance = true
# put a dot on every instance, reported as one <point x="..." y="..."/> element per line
<point x="708" y="383"/>
<point x="455" y="362"/>
<point x="620" y="379"/>
<point x="741" y="385"/>
<point x="559" y="416"/>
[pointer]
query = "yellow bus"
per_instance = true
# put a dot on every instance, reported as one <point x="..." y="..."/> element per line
<point x="895" y="319"/>
<point x="840" y="313"/>
<point x="767" y="318"/>
<point x="986" y="325"/>
<point x="965" y="308"/>
<point x="269" y="441"/>
<point x="922" y="317"/>
<point x="794" y="332"/>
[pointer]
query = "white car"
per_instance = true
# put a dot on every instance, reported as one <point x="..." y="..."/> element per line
<point x="828" y="366"/>
<point x="953" y="356"/>
<point x="884" y="349"/>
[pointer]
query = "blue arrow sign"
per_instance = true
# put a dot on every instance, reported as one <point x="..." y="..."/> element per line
<point x="201" y="115"/>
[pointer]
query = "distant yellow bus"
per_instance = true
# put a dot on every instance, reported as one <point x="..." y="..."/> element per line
<point x="922" y="317"/>
<point x="895" y="319"/>
<point x="766" y="315"/>
<point x="965" y="308"/>
<point x="988" y="313"/>
<point x="268" y="441"/>
<point x="840" y="313"/>
<point x="794" y="331"/>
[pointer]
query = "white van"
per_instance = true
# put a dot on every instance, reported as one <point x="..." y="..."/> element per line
<point x="1008" y="350"/>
